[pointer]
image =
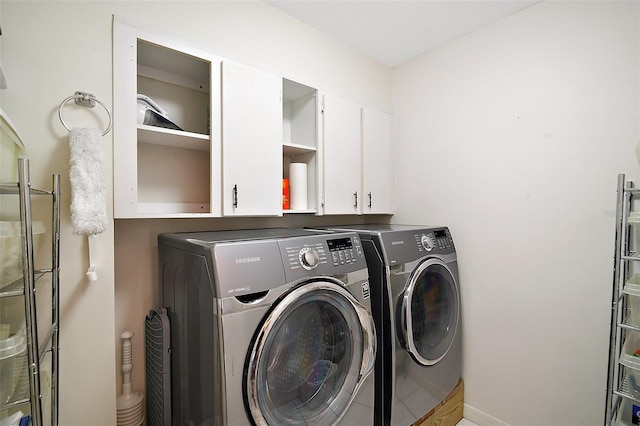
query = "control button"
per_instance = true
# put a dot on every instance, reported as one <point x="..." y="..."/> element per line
<point x="308" y="258"/>
<point x="427" y="242"/>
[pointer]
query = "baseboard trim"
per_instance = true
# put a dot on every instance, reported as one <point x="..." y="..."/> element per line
<point x="481" y="418"/>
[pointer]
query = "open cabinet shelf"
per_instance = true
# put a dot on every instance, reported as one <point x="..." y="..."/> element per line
<point x="174" y="138"/>
<point x="161" y="171"/>
<point x="300" y="112"/>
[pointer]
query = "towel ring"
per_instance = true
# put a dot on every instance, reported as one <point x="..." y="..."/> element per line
<point x="84" y="99"/>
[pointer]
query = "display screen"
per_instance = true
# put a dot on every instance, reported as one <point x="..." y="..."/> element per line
<point x="339" y="244"/>
<point x="440" y="234"/>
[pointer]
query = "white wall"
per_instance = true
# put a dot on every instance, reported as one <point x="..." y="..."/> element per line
<point x="49" y="50"/>
<point x="518" y="132"/>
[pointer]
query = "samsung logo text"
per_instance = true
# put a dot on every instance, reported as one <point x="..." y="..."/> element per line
<point x="248" y="260"/>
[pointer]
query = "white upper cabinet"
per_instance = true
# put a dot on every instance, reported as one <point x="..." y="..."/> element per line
<point x="167" y="140"/>
<point x="199" y="136"/>
<point x="341" y="156"/>
<point x="251" y="141"/>
<point x="377" y="162"/>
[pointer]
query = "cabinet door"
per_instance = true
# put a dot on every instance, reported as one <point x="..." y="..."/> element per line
<point x="377" y="162"/>
<point x="342" y="156"/>
<point x="251" y="141"/>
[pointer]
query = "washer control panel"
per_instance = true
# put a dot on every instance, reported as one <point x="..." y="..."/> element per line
<point x="322" y="254"/>
<point x="306" y="254"/>
<point x="344" y="250"/>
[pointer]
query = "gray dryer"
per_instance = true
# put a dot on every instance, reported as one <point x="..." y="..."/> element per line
<point x="416" y="307"/>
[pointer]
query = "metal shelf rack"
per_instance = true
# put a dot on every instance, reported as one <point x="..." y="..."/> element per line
<point x="26" y="287"/>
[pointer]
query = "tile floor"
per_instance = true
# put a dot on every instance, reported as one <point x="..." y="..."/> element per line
<point x="465" y="422"/>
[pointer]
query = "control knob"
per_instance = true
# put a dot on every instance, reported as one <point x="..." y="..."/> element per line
<point x="308" y="258"/>
<point x="427" y="242"/>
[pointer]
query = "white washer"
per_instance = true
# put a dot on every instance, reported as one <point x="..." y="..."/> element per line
<point x="268" y="327"/>
<point x="416" y="307"/>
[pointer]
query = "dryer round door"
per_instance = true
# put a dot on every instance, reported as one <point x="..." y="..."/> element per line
<point x="429" y="312"/>
<point x="309" y="358"/>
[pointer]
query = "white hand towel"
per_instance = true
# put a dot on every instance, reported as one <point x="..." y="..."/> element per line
<point x="88" y="187"/>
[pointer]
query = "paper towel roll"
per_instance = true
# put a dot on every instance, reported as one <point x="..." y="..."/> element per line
<point x="298" y="186"/>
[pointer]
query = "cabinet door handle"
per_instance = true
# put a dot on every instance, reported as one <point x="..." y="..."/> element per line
<point x="369" y="200"/>
<point x="235" y="196"/>
<point x="355" y="199"/>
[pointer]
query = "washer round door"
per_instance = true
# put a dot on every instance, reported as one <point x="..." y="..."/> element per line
<point x="429" y="312"/>
<point x="309" y="358"/>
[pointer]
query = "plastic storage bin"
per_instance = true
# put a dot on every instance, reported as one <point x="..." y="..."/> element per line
<point x="11" y="147"/>
<point x="13" y="363"/>
<point x="632" y="288"/>
<point x="11" y="249"/>
<point x="626" y="412"/>
<point x="634" y="239"/>
<point x="13" y="345"/>
<point x="630" y="358"/>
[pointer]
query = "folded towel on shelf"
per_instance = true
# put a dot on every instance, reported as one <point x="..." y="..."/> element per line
<point x="88" y="186"/>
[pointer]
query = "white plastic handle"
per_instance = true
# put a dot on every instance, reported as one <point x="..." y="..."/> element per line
<point x="92" y="272"/>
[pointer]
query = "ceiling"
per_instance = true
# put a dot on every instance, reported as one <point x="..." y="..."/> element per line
<point x="394" y="31"/>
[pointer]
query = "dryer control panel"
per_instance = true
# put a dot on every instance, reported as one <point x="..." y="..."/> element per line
<point x="408" y="245"/>
<point x="439" y="238"/>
